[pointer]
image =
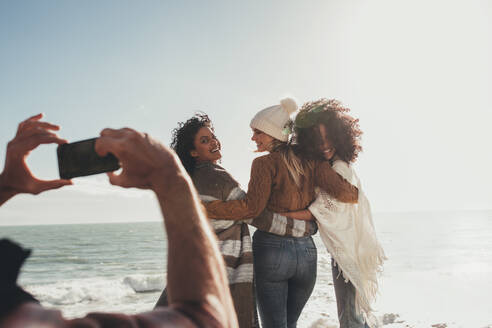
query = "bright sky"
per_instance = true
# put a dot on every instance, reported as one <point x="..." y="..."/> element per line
<point x="417" y="73"/>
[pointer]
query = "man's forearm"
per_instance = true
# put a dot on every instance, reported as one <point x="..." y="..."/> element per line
<point x="196" y="272"/>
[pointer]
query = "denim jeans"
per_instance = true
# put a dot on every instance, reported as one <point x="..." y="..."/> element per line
<point x="285" y="273"/>
<point x="345" y="294"/>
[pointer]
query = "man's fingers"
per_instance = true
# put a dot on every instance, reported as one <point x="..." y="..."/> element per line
<point x="35" y="117"/>
<point x="108" y="132"/>
<point x="113" y="178"/>
<point x="102" y="146"/>
<point x="42" y="138"/>
<point x="39" y="125"/>
<point x="37" y="132"/>
<point x="117" y="180"/>
<point x="105" y="145"/>
<point x="52" y="184"/>
<point x="30" y="119"/>
<point x="116" y="133"/>
<point x="22" y="146"/>
<point x="126" y="181"/>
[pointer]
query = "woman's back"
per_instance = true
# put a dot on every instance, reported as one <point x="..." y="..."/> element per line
<point x="285" y="194"/>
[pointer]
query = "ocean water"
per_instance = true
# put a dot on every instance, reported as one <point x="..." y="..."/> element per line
<point x="87" y="267"/>
<point x="439" y="269"/>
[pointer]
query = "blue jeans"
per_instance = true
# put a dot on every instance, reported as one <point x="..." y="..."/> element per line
<point x="285" y="273"/>
<point x="345" y="294"/>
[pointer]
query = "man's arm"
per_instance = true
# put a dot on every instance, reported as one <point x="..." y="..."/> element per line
<point x="16" y="177"/>
<point x="196" y="271"/>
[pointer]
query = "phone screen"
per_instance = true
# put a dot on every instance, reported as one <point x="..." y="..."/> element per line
<point x="79" y="159"/>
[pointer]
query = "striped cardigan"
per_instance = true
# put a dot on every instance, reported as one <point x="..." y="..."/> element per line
<point x="214" y="183"/>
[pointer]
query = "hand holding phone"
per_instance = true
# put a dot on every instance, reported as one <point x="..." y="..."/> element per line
<point x="79" y="159"/>
<point x="145" y="162"/>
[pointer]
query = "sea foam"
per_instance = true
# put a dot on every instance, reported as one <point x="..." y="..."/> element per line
<point x="99" y="290"/>
<point x="145" y="283"/>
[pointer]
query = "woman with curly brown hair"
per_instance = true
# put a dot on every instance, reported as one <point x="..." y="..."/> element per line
<point x="325" y="131"/>
<point x="199" y="150"/>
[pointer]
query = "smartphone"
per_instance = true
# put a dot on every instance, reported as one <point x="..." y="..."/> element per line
<point x="80" y="159"/>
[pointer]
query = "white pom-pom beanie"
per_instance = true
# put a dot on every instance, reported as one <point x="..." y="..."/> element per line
<point x="273" y="120"/>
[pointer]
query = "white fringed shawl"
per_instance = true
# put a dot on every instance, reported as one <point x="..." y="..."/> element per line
<point x="348" y="233"/>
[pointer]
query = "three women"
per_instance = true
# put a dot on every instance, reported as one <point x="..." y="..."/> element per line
<point x="281" y="182"/>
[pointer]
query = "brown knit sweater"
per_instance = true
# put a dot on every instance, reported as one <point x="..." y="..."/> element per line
<point x="271" y="186"/>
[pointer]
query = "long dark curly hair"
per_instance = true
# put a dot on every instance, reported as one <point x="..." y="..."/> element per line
<point x="342" y="129"/>
<point x="183" y="138"/>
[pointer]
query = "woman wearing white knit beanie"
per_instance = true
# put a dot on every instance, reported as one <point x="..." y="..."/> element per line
<point x="273" y="120"/>
<point x="284" y="253"/>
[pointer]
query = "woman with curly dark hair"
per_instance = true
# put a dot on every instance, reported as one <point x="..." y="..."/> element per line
<point x="198" y="148"/>
<point x="327" y="116"/>
<point x="191" y="150"/>
<point x="325" y="131"/>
